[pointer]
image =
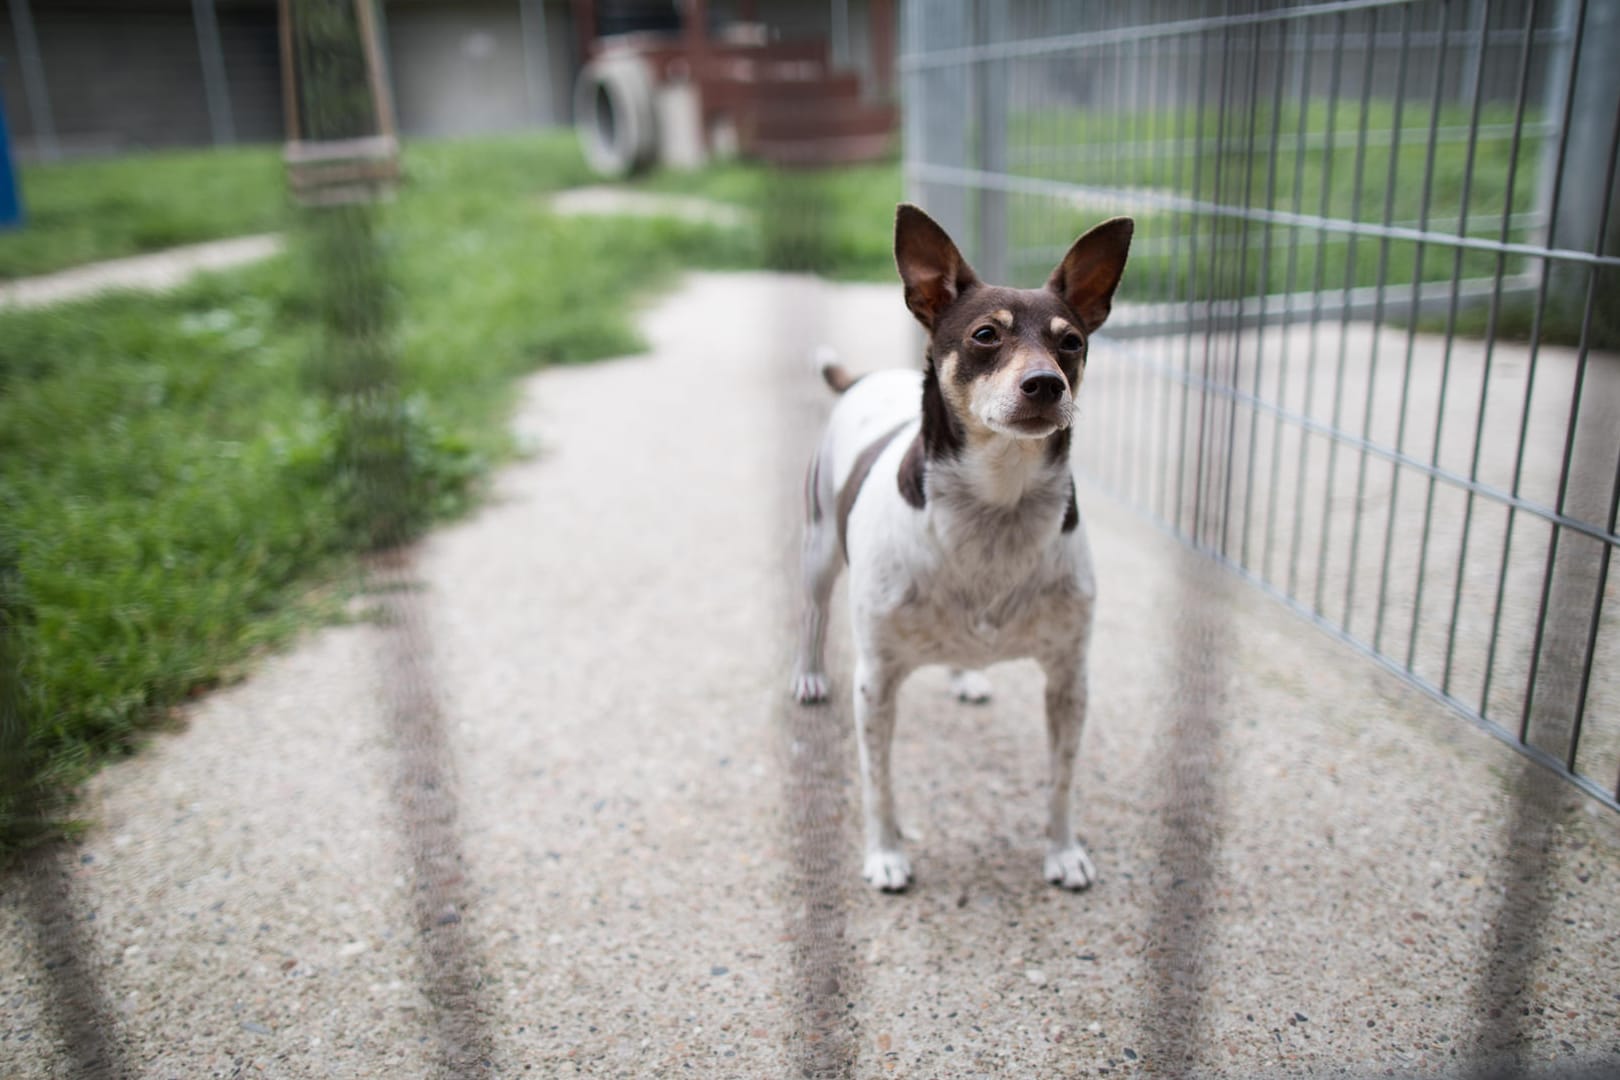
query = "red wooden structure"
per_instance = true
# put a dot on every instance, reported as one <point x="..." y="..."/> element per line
<point x="784" y="100"/>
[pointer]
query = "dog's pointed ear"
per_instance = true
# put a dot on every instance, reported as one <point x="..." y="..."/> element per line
<point x="934" y="272"/>
<point x="1089" y="273"/>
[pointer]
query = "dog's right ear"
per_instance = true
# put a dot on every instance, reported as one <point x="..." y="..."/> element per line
<point x="933" y="270"/>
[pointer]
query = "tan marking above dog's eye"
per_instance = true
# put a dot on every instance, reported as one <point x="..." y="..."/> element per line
<point x="986" y="335"/>
<point x="1004" y="317"/>
<point x="1059" y="326"/>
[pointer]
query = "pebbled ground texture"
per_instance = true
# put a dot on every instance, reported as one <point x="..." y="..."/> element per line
<point x="610" y="845"/>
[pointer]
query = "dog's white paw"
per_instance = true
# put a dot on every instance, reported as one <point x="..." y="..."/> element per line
<point x="887" y="870"/>
<point x="809" y="687"/>
<point x="970" y="686"/>
<point x="1070" y="867"/>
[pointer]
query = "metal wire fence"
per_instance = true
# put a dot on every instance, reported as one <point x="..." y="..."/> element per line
<point x="1368" y="345"/>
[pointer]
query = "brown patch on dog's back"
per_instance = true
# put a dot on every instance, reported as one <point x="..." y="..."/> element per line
<point x="857" y="476"/>
<point x="910" y="478"/>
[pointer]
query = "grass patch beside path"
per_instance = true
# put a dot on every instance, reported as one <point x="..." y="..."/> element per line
<point x="834" y="222"/>
<point x="167" y="504"/>
<point x="86" y="211"/>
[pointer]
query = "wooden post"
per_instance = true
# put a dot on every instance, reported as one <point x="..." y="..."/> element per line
<point x="376" y="70"/>
<point x="344" y="166"/>
<point x="585" y="28"/>
<point x="289" y="73"/>
<point x="697" y="33"/>
<point x="882" y="16"/>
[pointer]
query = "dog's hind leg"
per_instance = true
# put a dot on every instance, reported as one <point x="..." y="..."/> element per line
<point x="822" y="561"/>
<point x="876" y="683"/>
<point x="1067" y="863"/>
<point x="970" y="686"/>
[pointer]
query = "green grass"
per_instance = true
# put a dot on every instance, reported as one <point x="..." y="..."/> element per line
<point x="85" y="211"/>
<point x="1332" y="179"/>
<point x="172" y="470"/>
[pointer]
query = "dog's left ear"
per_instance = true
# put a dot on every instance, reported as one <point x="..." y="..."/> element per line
<point x="934" y="272"/>
<point x="1089" y="273"/>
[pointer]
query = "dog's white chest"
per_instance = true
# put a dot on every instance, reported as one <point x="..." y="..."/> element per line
<point x="948" y="614"/>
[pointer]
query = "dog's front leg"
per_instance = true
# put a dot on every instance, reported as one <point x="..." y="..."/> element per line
<point x="876" y="683"/>
<point x="1067" y="863"/>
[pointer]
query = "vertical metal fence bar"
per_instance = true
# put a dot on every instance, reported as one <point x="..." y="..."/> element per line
<point x="1450" y="338"/>
<point x="1317" y="279"/>
<point x="990" y="149"/>
<point x="1575" y="188"/>
<point x="1264" y="283"/>
<point x="1551" y="568"/>
<point x="1179" y="226"/>
<point x="1163" y="296"/>
<point x="1413" y="313"/>
<point x="1594" y="628"/>
<point x="1525" y="54"/>
<point x="1254" y="53"/>
<point x="1191" y="228"/>
<point x="1359" y="175"/>
<point x="1595" y="277"/>
<point x="1209" y="402"/>
<point x="1301" y="51"/>
<point x="1137" y="433"/>
<point x="1125" y="167"/>
<point x="1552" y="178"/>
<point x="1391" y="174"/>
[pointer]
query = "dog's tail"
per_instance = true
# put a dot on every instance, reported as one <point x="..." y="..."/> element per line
<point x="837" y="376"/>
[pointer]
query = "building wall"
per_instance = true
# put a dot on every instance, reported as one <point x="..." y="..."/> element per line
<point x="460" y="68"/>
<point x="125" y="75"/>
<point x="118" y="78"/>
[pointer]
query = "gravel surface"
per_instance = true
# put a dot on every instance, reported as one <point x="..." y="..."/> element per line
<point x="554" y="815"/>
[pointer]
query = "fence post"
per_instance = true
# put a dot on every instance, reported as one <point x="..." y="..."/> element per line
<point x="936" y="103"/>
<point x="991" y="123"/>
<point x="1588" y="182"/>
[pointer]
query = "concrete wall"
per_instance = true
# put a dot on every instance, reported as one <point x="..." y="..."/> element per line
<point x="461" y="68"/>
<point x="457" y="69"/>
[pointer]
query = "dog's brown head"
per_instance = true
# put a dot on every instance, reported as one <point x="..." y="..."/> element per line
<point x="1007" y="361"/>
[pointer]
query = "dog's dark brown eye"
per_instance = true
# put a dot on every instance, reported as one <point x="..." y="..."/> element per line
<point x="985" y="335"/>
<point x="1070" y="342"/>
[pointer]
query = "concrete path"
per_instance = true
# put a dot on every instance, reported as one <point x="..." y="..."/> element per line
<point x="605" y="201"/>
<point x="555" y="816"/>
<point x="157" y="271"/>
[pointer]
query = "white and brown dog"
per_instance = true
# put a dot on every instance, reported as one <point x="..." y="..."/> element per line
<point x="959" y="524"/>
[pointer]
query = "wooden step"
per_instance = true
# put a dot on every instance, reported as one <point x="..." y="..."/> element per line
<point x="833" y="150"/>
<point x="809" y="119"/>
<point x="721" y="94"/>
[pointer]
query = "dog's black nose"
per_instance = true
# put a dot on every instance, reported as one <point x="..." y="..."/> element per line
<point x="1043" y="387"/>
